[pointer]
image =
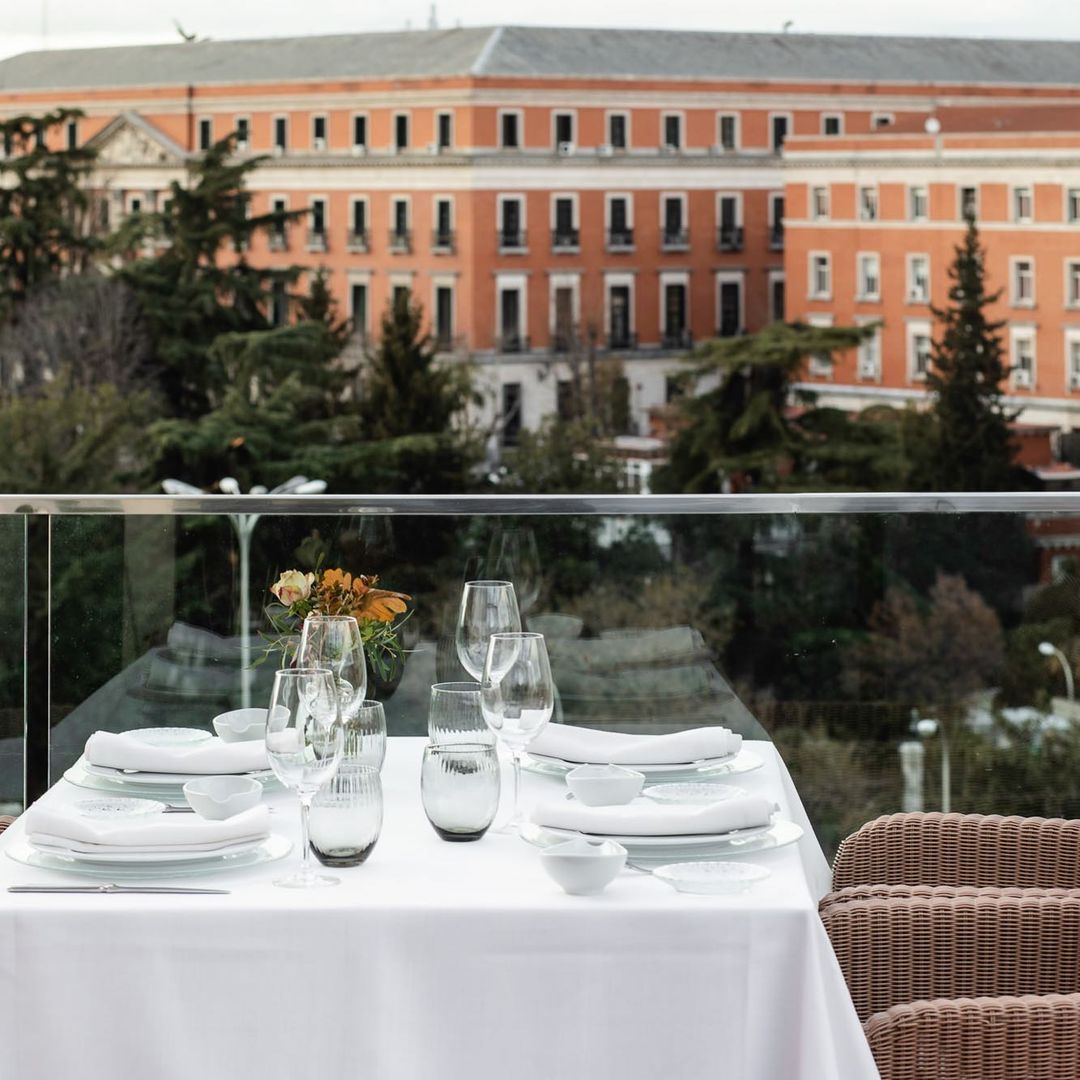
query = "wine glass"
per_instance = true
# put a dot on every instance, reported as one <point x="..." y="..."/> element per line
<point x="487" y="607"/>
<point x="334" y="642"/>
<point x="517" y="697"/>
<point x="304" y="739"/>
<point x="513" y="554"/>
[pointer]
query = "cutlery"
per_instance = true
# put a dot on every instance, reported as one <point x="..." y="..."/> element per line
<point x="111" y="888"/>
<point x="178" y="810"/>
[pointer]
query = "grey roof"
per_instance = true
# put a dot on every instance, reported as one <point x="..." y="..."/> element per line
<point x="552" y="52"/>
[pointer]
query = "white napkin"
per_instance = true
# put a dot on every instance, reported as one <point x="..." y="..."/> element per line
<point x="619" y="748"/>
<point x="64" y="826"/>
<point x="211" y="757"/>
<point x="642" y="817"/>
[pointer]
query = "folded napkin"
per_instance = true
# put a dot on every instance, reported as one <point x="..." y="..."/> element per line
<point x="642" y="817"/>
<point x="64" y="826"/>
<point x="211" y="757"/>
<point x="619" y="748"/>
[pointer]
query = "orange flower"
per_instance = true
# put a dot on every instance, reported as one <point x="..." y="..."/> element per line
<point x="380" y="604"/>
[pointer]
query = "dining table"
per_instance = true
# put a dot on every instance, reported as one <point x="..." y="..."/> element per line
<point x="431" y="961"/>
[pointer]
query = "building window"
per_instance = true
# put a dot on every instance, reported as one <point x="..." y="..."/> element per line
<point x="564" y="232"/>
<point x="511" y="411"/>
<point x="509" y="130"/>
<point x="511" y="316"/>
<point x="1023" y="360"/>
<point x="820" y="276"/>
<point x="401" y="131"/>
<point x="444" y="316"/>
<point x="565" y="311"/>
<point x="281" y="134"/>
<point x="443" y="235"/>
<point x="969" y="203"/>
<point x="869" y="276"/>
<point x="279" y="207"/>
<point x="729" y="306"/>
<point x="918" y="283"/>
<point x="881" y="120"/>
<point x="620" y="315"/>
<point x="1073" y="352"/>
<point x="72" y="134"/>
<point x="135" y="204"/>
<point x="819" y="203"/>
<point x="618" y="131"/>
<point x="1023" y="282"/>
<point x="776" y="222"/>
<point x="920" y="347"/>
<point x="673" y="138"/>
<point x="918" y="202"/>
<point x="728" y="131"/>
<point x="820" y="365"/>
<point x="729" y="230"/>
<point x="675" y="316"/>
<point x="620" y="231"/>
<point x="318" y="132"/>
<point x="776" y="296"/>
<point x="779" y="124"/>
<point x="206" y="133"/>
<point x="1022" y="208"/>
<point x="358" y="308"/>
<point x="243" y="133"/>
<point x="868" y="204"/>
<point x="1072" y="205"/>
<point x="359" y="132"/>
<point x="358" y="225"/>
<point x="317" y="236"/>
<point x="564" y="130"/>
<point x="511" y="223"/>
<point x="279" y="304"/>
<point x="444" y="123"/>
<point x="399" y="225"/>
<point x="674" y="234"/>
<point x="832" y="124"/>
<point x="868" y="357"/>
<point x="1072" y="283"/>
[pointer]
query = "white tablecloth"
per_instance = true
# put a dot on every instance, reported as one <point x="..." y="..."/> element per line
<point x="434" y="961"/>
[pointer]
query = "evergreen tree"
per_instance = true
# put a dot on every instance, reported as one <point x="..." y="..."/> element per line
<point x="744" y="432"/>
<point x="44" y="208"/>
<point x="404" y="391"/>
<point x="970" y="448"/>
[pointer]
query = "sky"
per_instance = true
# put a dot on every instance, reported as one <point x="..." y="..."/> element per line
<point x="33" y="24"/>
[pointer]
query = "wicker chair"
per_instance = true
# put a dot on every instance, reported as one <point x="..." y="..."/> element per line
<point x="1000" y="1038"/>
<point x="5" y="821"/>
<point x="961" y="849"/>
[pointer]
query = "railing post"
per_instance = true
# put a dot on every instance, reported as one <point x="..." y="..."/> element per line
<point x="37" y="654"/>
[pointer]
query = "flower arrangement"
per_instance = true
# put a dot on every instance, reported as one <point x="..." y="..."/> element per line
<point x="336" y="592"/>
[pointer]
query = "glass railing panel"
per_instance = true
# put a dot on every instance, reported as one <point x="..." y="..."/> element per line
<point x="12" y="613"/>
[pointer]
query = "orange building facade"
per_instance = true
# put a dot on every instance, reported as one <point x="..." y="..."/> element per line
<point x="546" y="193"/>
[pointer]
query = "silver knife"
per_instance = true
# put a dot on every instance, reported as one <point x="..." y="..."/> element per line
<point x="110" y="888"/>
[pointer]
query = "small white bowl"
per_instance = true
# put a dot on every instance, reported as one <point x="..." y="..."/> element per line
<point x="241" y="725"/>
<point x="582" y="867"/>
<point x="604" y="785"/>
<point x="221" y="797"/>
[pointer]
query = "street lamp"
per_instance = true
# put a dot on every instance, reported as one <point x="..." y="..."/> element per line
<point x="244" y="524"/>
<point x="1048" y="649"/>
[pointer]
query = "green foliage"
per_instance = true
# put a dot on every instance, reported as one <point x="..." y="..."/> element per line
<point x="971" y="447"/>
<point x="44" y="231"/>
<point x="743" y="431"/>
<point x="70" y="439"/>
<point x="404" y="390"/>
<point x="561" y="458"/>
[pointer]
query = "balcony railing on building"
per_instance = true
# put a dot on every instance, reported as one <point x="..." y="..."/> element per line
<point x="565" y="239"/>
<point x="511" y="239"/>
<point x="316" y="240"/>
<point x="621" y="339"/>
<point x="400" y="241"/>
<point x="513" y="342"/>
<point x="776" y="237"/>
<point x="729" y="327"/>
<point x="279" y="240"/>
<point x="675" y="240"/>
<point x="620" y="240"/>
<point x="729" y="238"/>
<point x="442" y="241"/>
<point x="563" y="341"/>
<point x="359" y="241"/>
<point x="677" y="338"/>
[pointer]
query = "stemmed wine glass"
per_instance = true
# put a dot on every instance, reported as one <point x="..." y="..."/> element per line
<point x="334" y="642"/>
<point x="304" y="739"/>
<point x="487" y="607"/>
<point x="513" y="554"/>
<point x="517" y="697"/>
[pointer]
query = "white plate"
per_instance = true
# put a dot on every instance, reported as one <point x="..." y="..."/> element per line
<point x="691" y="792"/>
<point x="144" y="858"/>
<point x="117" y="807"/>
<point x="170" y="736"/>
<point x="779" y="834"/>
<point x="742" y="762"/>
<point x="711" y="878"/>
<point x="665" y="843"/>
<point x="273" y="848"/>
<point x="98" y="778"/>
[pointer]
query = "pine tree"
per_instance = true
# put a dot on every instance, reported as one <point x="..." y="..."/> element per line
<point x="970" y="448"/>
<point x="44" y="207"/>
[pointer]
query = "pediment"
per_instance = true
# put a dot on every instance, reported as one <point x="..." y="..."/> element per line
<point x="131" y="140"/>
